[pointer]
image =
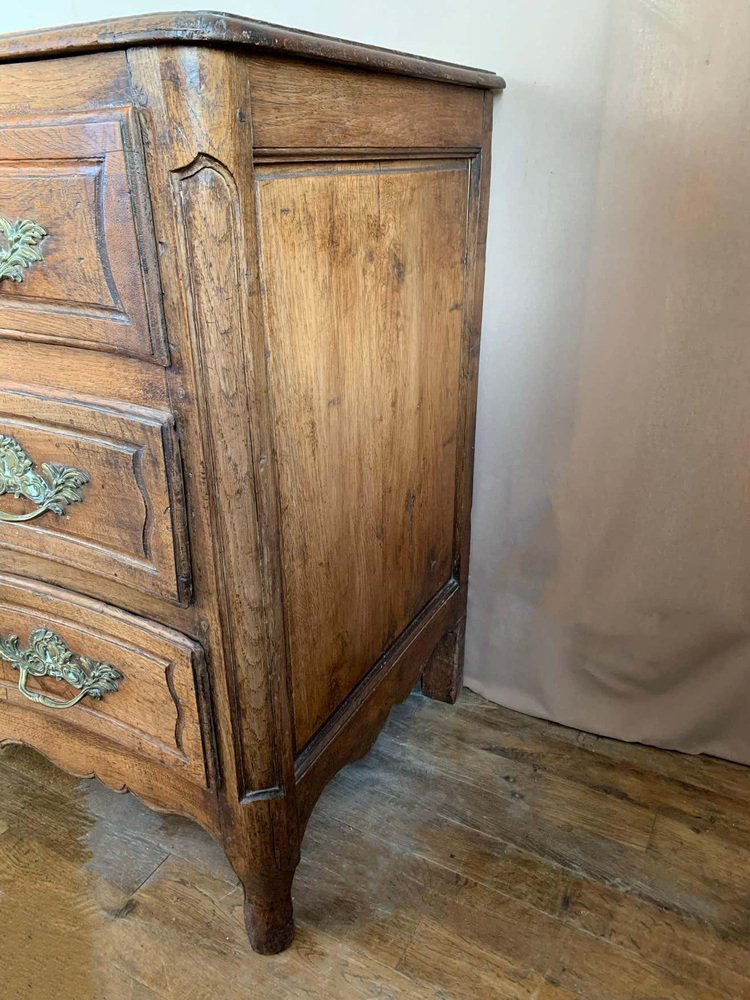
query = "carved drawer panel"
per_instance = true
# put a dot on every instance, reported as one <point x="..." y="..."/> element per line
<point x="65" y="660"/>
<point x="95" y="486"/>
<point x="77" y="262"/>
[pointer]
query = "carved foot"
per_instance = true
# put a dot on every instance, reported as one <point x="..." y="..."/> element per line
<point x="443" y="674"/>
<point x="268" y="913"/>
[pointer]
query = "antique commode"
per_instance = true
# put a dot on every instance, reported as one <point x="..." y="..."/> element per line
<point x="240" y="297"/>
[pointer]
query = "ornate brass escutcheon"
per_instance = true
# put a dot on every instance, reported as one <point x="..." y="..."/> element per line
<point x="62" y="485"/>
<point x="23" y="237"/>
<point x="49" y="656"/>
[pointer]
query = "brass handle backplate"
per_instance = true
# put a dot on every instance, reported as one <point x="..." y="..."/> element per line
<point x="23" y="237"/>
<point x="49" y="656"/>
<point x="59" y="486"/>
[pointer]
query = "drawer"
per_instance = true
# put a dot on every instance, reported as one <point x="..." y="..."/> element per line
<point x="103" y="675"/>
<point x="77" y="258"/>
<point x="94" y="486"/>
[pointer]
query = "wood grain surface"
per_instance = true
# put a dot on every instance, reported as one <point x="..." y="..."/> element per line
<point x="303" y="104"/>
<point x="71" y="177"/>
<point x="213" y="28"/>
<point x="159" y="712"/>
<point x="129" y="524"/>
<point x="255" y="330"/>
<point x="363" y="339"/>
<point x="475" y="853"/>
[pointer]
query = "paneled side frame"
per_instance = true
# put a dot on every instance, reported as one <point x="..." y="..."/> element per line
<point x="201" y="177"/>
<point x="363" y="642"/>
<point x="432" y="648"/>
<point x="442" y="676"/>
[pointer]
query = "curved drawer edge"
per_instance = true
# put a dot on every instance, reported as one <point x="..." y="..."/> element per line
<point x="154" y="728"/>
<point x="157" y="787"/>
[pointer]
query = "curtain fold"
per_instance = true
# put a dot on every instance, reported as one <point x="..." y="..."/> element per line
<point x="617" y="598"/>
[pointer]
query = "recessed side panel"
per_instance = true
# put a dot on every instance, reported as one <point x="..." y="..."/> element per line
<point x="363" y="277"/>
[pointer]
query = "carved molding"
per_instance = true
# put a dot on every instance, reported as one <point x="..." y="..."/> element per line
<point x="131" y="455"/>
<point x="62" y="756"/>
<point x="213" y="254"/>
<point x="92" y="171"/>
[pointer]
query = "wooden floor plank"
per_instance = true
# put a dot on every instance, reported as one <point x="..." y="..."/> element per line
<point x="475" y="853"/>
<point x="463" y="970"/>
<point x="707" y="773"/>
<point x="559" y="799"/>
<point x="207" y="912"/>
<point x="543" y="750"/>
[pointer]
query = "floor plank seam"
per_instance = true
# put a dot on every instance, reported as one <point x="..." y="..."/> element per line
<point x="148" y="878"/>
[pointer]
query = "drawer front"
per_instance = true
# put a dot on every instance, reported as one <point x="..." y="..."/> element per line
<point x="104" y="674"/>
<point x="77" y="261"/>
<point x="94" y="486"/>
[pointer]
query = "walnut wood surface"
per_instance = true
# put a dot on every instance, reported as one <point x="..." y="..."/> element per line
<point x="274" y="400"/>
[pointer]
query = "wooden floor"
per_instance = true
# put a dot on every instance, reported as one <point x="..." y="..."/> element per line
<point x="539" y="863"/>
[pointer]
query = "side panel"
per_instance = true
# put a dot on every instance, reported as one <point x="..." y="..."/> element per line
<point x="363" y="273"/>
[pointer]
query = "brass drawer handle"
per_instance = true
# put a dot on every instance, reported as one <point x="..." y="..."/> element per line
<point x="49" y="656"/>
<point x="23" y="235"/>
<point x="18" y="478"/>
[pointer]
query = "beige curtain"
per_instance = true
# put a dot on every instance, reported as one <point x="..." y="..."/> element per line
<point x="617" y="598"/>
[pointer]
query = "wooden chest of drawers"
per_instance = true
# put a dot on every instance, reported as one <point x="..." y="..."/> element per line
<point x="240" y="302"/>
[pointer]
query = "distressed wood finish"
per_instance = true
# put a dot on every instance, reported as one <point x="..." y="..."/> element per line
<point x="320" y="106"/>
<point x="274" y="409"/>
<point x="160" y="711"/>
<point x="476" y="854"/>
<point x="442" y="677"/>
<point x="129" y="524"/>
<point x="364" y="378"/>
<point x="60" y="86"/>
<point x="208" y="27"/>
<point x="71" y="177"/>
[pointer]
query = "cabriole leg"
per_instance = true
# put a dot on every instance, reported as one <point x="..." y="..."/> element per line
<point x="268" y="911"/>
